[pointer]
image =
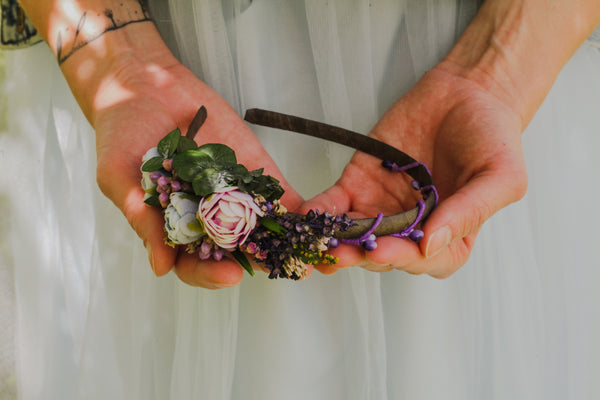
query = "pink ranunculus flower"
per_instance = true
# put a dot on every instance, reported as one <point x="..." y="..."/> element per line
<point x="228" y="216"/>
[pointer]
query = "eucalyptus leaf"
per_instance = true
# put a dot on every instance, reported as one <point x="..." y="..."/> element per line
<point x="238" y="175"/>
<point x="220" y="153"/>
<point x="191" y="163"/>
<point x="153" y="164"/>
<point x="238" y="170"/>
<point x="185" y="144"/>
<point x="168" y="145"/>
<point x="241" y="258"/>
<point x="207" y="181"/>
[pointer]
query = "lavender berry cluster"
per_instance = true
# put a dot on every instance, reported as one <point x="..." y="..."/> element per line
<point x="215" y="207"/>
<point x="285" y="242"/>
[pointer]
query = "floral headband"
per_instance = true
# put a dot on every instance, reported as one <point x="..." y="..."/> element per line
<point x="214" y="206"/>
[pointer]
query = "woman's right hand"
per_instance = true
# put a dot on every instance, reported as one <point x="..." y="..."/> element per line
<point x="138" y="101"/>
<point x="133" y="92"/>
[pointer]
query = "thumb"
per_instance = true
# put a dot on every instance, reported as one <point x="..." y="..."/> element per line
<point x="335" y="200"/>
<point x="464" y="212"/>
<point x="124" y="189"/>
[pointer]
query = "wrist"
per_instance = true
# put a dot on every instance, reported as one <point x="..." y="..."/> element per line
<point x="98" y="72"/>
<point x="98" y="43"/>
<point x="515" y="49"/>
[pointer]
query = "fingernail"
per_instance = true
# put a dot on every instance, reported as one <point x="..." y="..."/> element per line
<point x="438" y="242"/>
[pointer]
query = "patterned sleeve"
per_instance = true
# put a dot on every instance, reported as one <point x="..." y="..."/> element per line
<point x="16" y="30"/>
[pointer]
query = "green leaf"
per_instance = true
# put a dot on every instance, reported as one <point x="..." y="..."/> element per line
<point x="241" y="258"/>
<point x="257" y="172"/>
<point x="220" y="153"/>
<point x="273" y="226"/>
<point x="185" y="144"/>
<point x="238" y="175"/>
<point x="152" y="201"/>
<point x="191" y="163"/>
<point x="207" y="181"/>
<point x="153" y="164"/>
<point x="266" y="186"/>
<point x="168" y="145"/>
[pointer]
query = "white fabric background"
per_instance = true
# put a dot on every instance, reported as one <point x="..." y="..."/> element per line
<point x="520" y="320"/>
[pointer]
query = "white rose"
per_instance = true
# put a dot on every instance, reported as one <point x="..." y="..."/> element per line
<point x="181" y="223"/>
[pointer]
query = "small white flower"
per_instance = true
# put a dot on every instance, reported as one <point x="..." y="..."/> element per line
<point x="181" y="223"/>
<point x="229" y="216"/>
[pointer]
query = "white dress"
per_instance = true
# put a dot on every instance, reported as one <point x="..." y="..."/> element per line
<point x="520" y="321"/>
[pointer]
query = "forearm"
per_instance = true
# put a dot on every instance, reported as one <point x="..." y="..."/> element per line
<point x="95" y="40"/>
<point x="516" y="48"/>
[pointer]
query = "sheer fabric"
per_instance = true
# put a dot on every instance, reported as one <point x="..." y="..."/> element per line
<point x="518" y="321"/>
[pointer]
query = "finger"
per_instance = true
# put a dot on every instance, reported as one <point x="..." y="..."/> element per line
<point x="347" y="255"/>
<point x="394" y="252"/>
<point x="326" y="269"/>
<point x="463" y="213"/>
<point x="334" y="200"/>
<point x="125" y="191"/>
<point x="148" y="223"/>
<point x="208" y="274"/>
<point x="446" y="263"/>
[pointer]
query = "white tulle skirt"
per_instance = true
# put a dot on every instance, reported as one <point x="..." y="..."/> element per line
<point x="520" y="321"/>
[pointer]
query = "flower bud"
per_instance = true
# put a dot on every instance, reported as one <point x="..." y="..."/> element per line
<point x="163" y="198"/>
<point x="176" y="186"/>
<point x="168" y="164"/>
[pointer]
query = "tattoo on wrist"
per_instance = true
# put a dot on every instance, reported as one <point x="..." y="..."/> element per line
<point x="92" y="26"/>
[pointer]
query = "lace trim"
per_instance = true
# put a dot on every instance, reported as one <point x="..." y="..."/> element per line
<point x="16" y="30"/>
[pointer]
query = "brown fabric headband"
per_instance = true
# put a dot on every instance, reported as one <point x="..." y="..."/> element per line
<point x="389" y="225"/>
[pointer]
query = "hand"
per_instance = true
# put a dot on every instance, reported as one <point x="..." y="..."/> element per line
<point x="471" y="142"/>
<point x="133" y="92"/>
<point x="463" y="119"/>
<point x="133" y="112"/>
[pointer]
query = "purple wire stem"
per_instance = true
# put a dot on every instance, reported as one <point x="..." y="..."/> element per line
<point x="367" y="240"/>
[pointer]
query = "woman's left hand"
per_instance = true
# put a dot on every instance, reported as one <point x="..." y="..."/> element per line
<point x="471" y="142"/>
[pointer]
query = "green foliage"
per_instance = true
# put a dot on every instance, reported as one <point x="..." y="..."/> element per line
<point x="168" y="145"/>
<point x="272" y="225"/>
<point x="153" y="201"/>
<point x="153" y="164"/>
<point x="185" y="144"/>
<point x="210" y="167"/>
<point x="241" y="258"/>
<point x="214" y="166"/>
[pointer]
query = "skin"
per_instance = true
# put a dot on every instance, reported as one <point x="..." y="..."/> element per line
<point x="463" y="119"/>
